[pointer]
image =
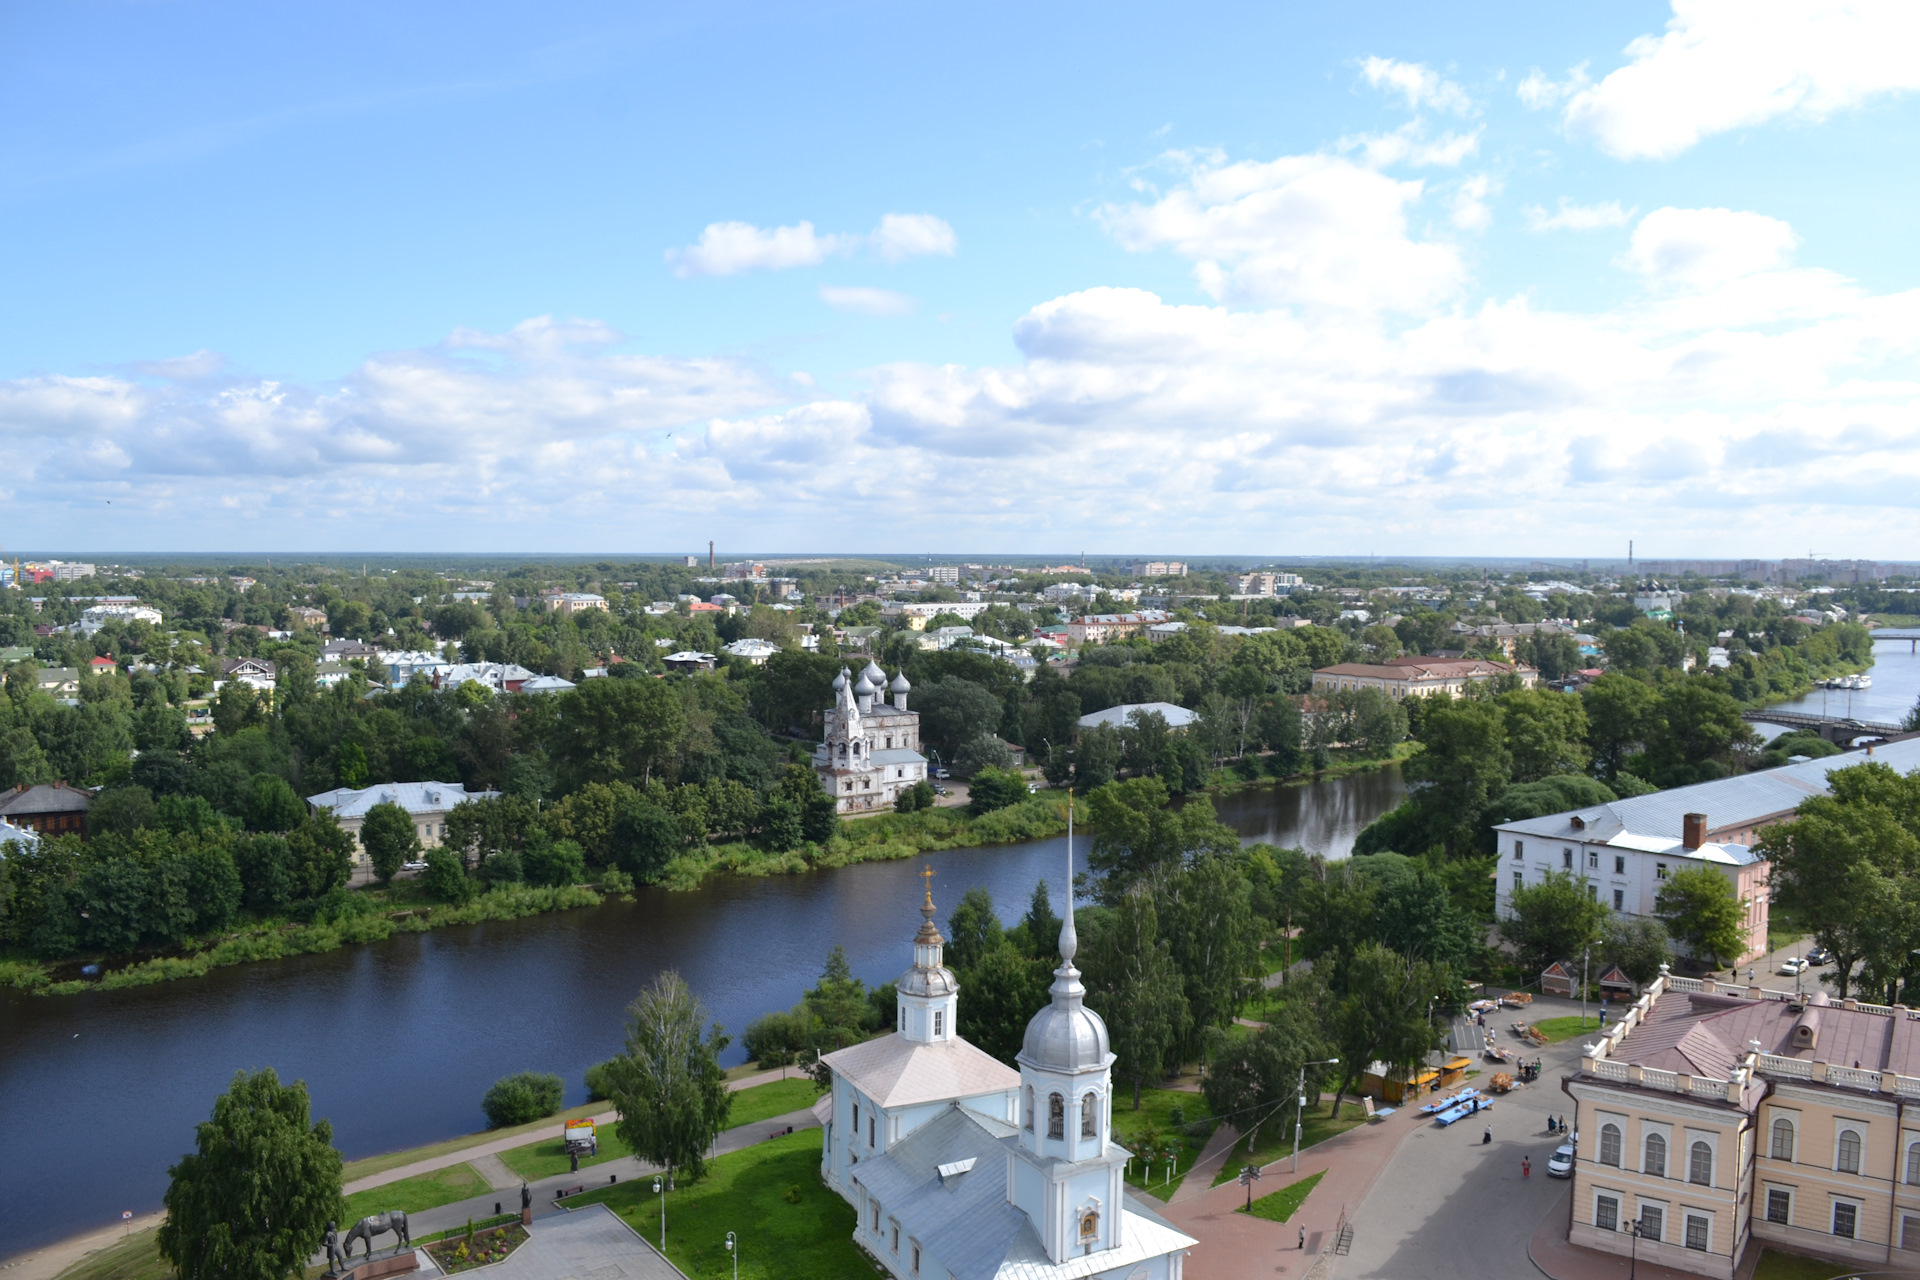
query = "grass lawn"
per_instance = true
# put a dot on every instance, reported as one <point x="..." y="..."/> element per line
<point x="750" y="1106"/>
<point x="394" y="1159"/>
<point x="791" y="1227"/>
<point x="1775" y="1265"/>
<point x="1279" y="1205"/>
<point x="1155" y="1117"/>
<point x="1558" y="1029"/>
<point x="765" y="1101"/>
<point x="424" y="1191"/>
<point x="1274" y="1138"/>
<point x="135" y="1258"/>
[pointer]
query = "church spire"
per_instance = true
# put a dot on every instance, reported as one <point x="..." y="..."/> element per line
<point x="1069" y="940"/>
<point x="928" y="993"/>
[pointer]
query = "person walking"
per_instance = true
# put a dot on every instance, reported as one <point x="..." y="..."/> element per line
<point x="1487" y="1137"/>
<point x="1526" y="1167"/>
<point x="1303" y="1239"/>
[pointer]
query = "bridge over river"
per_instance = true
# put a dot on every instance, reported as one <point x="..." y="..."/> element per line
<point x="1840" y="730"/>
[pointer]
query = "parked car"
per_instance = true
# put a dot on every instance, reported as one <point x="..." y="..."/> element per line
<point x="940" y="790"/>
<point x="1560" y="1163"/>
<point x="1792" y="965"/>
<point x="1820" y="955"/>
<point x="941" y="773"/>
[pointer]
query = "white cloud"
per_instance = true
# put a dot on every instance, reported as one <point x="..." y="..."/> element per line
<point x="910" y="235"/>
<point x="726" y="248"/>
<point x="1702" y="248"/>
<point x="872" y="302"/>
<point x="1409" y="145"/>
<point x="1577" y="217"/>
<point x="729" y="247"/>
<point x="1470" y="209"/>
<point x="1538" y="91"/>
<point x="1728" y="64"/>
<point x="1314" y="231"/>
<point x="1419" y="85"/>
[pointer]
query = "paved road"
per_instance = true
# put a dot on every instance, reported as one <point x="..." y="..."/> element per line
<point x="1448" y="1206"/>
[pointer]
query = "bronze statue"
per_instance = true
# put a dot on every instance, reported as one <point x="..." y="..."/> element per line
<point x="375" y="1225"/>
<point x="335" y="1262"/>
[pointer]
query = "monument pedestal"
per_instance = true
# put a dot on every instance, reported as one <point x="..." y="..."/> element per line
<point x="393" y="1264"/>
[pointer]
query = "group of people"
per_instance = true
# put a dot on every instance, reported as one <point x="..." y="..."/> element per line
<point x="1530" y="1071"/>
<point x="1556" y="1125"/>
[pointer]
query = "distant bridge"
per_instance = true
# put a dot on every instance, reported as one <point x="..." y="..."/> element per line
<point x="1909" y="634"/>
<point x="1839" y="730"/>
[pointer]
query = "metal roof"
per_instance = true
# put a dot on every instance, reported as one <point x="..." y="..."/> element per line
<point x="1176" y="717"/>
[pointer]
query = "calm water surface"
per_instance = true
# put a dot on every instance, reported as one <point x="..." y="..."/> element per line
<point x="398" y="1041"/>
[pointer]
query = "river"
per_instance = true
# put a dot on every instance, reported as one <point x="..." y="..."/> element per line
<point x="397" y="1041"/>
<point x="1896" y="687"/>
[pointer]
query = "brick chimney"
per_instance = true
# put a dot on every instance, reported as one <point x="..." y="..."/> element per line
<point x="1693" y="830"/>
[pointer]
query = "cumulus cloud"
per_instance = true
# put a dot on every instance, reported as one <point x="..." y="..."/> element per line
<point x="1315" y="231"/>
<point x="1729" y="64"/>
<point x="872" y="302"/>
<point x="1409" y="145"/>
<point x="1577" y="217"/>
<point x="1418" y="85"/>
<point x="727" y="248"/>
<point x="1471" y="212"/>
<point x="1538" y="91"/>
<point x="1696" y="248"/>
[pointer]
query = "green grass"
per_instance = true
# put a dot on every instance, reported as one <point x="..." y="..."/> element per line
<point x="137" y="1257"/>
<point x="1775" y="1265"/>
<point x="1558" y="1029"/>
<point x="1155" y="1115"/>
<point x="394" y="1159"/>
<point x="1279" y="1205"/>
<point x="544" y="1159"/>
<point x="807" y="1237"/>
<point x="423" y="1191"/>
<point x="765" y="1101"/>
<point x="1274" y="1138"/>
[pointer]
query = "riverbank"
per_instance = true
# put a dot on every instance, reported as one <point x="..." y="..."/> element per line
<point x="277" y="940"/>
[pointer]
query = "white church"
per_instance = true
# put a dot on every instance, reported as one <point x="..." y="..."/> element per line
<point x="872" y="750"/>
<point x="961" y="1169"/>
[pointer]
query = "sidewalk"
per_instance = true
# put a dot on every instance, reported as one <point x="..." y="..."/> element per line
<point x="1559" y="1260"/>
<point x="1235" y="1245"/>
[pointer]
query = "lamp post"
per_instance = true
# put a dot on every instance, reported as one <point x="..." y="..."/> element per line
<point x="1300" y="1104"/>
<point x="659" y="1189"/>
<point x="1249" y="1174"/>
<point x="1638" y="1231"/>
<point x="733" y="1247"/>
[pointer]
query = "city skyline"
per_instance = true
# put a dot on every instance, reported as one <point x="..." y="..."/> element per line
<point x="1422" y="282"/>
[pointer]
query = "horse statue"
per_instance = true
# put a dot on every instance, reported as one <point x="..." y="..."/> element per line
<point x="376" y="1225"/>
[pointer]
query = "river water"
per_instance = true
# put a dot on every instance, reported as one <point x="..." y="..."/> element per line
<point x="398" y="1041"/>
<point x="1896" y="686"/>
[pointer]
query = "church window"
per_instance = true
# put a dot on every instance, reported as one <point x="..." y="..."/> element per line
<point x="871" y="1130"/>
<point x="894" y="1223"/>
<point x="856" y="1117"/>
<point x="876" y="1217"/>
<point x="1056" y="1116"/>
<point x="1090" y="1116"/>
<point x="939" y="1023"/>
<point x="916" y="1256"/>
<point x="1029" y="1109"/>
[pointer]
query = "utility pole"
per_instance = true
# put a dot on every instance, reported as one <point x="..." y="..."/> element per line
<point x="1300" y="1104"/>
<point x="1585" y="954"/>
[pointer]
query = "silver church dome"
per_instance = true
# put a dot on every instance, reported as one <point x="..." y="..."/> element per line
<point x="1066" y="1036"/>
<point x="900" y="684"/>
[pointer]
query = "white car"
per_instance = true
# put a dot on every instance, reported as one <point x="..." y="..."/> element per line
<point x="1792" y="965"/>
<point x="1560" y="1163"/>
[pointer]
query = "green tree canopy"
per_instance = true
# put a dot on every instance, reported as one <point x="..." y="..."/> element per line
<point x="388" y="835"/>
<point x="1702" y="910"/>
<point x="667" y="1085"/>
<point x="1133" y="985"/>
<point x="1555" y="919"/>
<point x="254" y="1200"/>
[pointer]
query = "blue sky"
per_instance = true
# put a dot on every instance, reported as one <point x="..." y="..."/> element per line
<point x="1424" y="279"/>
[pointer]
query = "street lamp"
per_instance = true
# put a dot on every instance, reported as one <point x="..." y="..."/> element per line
<point x="733" y="1248"/>
<point x="1300" y="1104"/>
<point x="1639" y="1231"/>
<point x="1249" y="1174"/>
<point x="659" y="1189"/>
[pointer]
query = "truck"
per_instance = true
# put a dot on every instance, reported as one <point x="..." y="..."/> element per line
<point x="581" y="1139"/>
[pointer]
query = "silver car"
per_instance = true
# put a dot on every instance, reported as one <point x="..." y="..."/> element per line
<point x="1560" y="1163"/>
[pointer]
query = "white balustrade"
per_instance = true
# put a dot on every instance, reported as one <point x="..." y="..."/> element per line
<point x="1609" y="1070"/>
<point x="1852" y="1078"/>
<point x="1654" y="1078"/>
<point x="1786" y="1068"/>
<point x="1685" y="984"/>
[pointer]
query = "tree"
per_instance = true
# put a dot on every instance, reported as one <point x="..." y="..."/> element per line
<point x="1003" y="989"/>
<point x="273" y="806"/>
<point x="1041" y="924"/>
<point x="915" y="798"/>
<point x="254" y="1200"/>
<point x="1695" y="736"/>
<point x="973" y="929"/>
<point x="121" y="810"/>
<point x="993" y="789"/>
<point x="839" y="1004"/>
<point x="1554" y="920"/>
<point x="553" y="865"/>
<point x="1546" y="733"/>
<point x="1133" y="985"/>
<point x="522" y="1098"/>
<point x="1382" y="1012"/>
<point x="1638" y="944"/>
<point x="610" y="730"/>
<point x="1138" y="835"/>
<point x="1206" y="913"/>
<point x="445" y="878"/>
<point x="320" y="855"/>
<point x="1252" y="1078"/>
<point x="1467" y="762"/>
<point x="645" y="838"/>
<point x="1702" y="910"/>
<point x="1620" y="711"/>
<point x="954" y="710"/>
<point x="390" y="839"/>
<point x="1096" y="758"/>
<point x="981" y="751"/>
<point x="667" y="1085"/>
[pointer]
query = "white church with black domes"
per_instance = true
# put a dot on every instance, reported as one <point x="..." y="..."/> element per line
<point x="959" y="1168"/>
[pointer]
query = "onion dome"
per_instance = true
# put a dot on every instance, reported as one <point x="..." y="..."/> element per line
<point x="900" y="684"/>
<point x="863" y="687"/>
<point x="874" y="675"/>
<point x="840" y="681"/>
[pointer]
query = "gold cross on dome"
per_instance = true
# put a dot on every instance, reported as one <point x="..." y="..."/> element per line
<point x="927" y="876"/>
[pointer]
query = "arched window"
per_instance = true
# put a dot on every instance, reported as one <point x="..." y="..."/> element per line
<point x="1656" y="1163"/>
<point x="1783" y="1139"/>
<point x="1029" y="1109"/>
<point x="1056" y="1116"/>
<point x="1913" y="1163"/>
<point x="1090" y="1116"/>
<point x="1610" y="1145"/>
<point x="1846" y="1155"/>
<point x="1700" y="1164"/>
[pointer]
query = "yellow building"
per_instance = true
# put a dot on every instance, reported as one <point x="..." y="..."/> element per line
<point x="1716" y="1118"/>
<point x="1418" y="677"/>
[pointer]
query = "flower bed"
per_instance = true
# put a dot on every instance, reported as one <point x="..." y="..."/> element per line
<point x="470" y="1249"/>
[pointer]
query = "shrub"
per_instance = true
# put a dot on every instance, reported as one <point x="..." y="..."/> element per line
<point x="995" y="789"/>
<point x="981" y="751"/>
<point x="517" y="1099"/>
<point x="600" y="1081"/>
<point x="915" y="798"/>
<point x="560" y="863"/>
<point x="446" y="877"/>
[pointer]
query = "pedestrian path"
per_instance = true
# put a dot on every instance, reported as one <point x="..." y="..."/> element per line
<point x="1199" y="1179"/>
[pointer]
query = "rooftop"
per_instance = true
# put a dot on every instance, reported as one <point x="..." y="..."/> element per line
<point x="1176" y="717"/>
<point x="897" y="1072"/>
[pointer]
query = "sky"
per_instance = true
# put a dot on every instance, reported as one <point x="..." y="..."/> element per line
<point x="1423" y="279"/>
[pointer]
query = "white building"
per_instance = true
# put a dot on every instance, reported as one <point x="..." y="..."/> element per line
<point x="753" y="650"/>
<point x="99" y="615"/>
<point x="1121" y="716"/>
<point x="959" y="1167"/>
<point x="428" y="803"/>
<point x="872" y="750"/>
<point x="403" y="665"/>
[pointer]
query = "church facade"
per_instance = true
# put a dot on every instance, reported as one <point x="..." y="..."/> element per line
<point x="872" y="749"/>
<point x="959" y="1168"/>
